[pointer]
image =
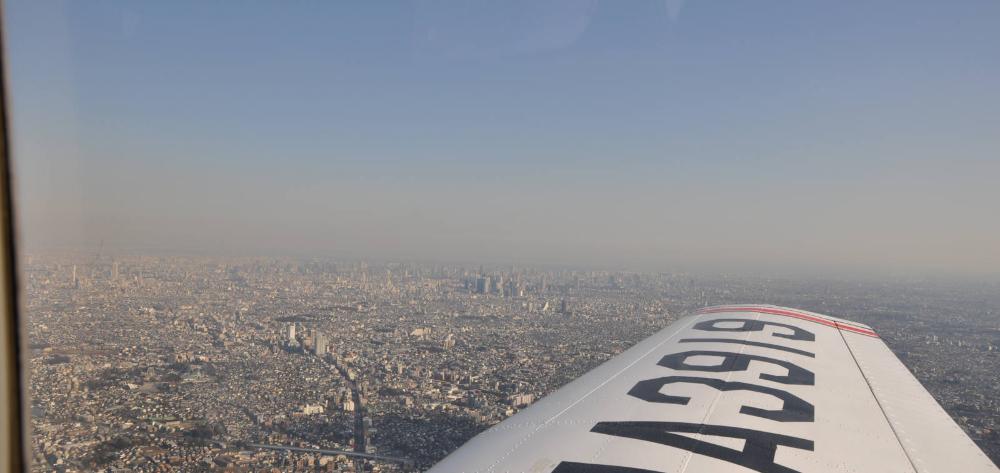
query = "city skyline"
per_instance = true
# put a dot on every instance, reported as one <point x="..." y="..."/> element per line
<point x="226" y="361"/>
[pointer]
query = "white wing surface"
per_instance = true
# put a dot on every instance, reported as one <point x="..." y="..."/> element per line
<point x="735" y="389"/>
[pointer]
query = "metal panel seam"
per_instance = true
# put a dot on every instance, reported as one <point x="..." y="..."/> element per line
<point x="711" y="408"/>
<point x="879" y="402"/>
<point x="599" y="386"/>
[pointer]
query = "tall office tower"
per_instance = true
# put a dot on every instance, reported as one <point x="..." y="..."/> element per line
<point x="76" y="282"/>
<point x="320" y="345"/>
<point x="563" y="309"/>
<point x="291" y="333"/>
<point x="482" y="284"/>
<point x="114" y="272"/>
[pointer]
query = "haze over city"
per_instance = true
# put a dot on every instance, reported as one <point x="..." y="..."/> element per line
<point x="474" y="235"/>
<point x="652" y="135"/>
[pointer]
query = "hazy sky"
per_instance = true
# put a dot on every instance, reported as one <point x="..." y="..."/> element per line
<point x="846" y="135"/>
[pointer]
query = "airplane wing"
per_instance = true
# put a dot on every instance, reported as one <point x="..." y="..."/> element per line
<point x="735" y="389"/>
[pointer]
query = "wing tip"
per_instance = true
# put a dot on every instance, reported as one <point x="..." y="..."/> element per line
<point x="842" y="324"/>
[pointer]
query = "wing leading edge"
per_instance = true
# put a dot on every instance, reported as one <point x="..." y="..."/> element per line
<point x="734" y="389"/>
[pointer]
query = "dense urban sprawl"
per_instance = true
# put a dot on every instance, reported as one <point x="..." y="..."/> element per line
<point x="143" y="363"/>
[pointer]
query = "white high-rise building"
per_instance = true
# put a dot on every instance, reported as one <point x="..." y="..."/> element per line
<point x="320" y="345"/>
